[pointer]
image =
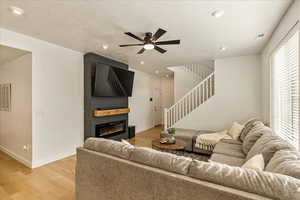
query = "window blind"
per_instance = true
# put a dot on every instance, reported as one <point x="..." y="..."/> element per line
<point x="285" y="86"/>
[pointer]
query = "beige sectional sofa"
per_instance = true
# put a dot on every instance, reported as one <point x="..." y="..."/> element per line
<point x="114" y="170"/>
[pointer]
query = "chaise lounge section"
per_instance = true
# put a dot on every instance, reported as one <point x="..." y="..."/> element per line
<point x="190" y="136"/>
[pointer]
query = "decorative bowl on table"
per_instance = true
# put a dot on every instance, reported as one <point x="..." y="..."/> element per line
<point x="167" y="137"/>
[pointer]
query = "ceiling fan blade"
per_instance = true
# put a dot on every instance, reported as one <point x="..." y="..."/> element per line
<point x="160" y="49"/>
<point x="168" y="42"/>
<point x="134" y="36"/>
<point x="130" y="45"/>
<point x="141" y="51"/>
<point x="158" y="34"/>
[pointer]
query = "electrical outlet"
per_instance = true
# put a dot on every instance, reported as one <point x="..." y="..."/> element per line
<point x="25" y="148"/>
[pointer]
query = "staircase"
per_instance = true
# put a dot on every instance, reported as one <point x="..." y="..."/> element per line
<point x="189" y="102"/>
<point x="199" y="72"/>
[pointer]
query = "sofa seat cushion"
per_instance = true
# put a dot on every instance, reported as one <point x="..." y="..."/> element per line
<point x="274" y="186"/>
<point x="267" y="145"/>
<point x="254" y="134"/>
<point x="111" y="147"/>
<point x="231" y="141"/>
<point x="225" y="159"/>
<point x="285" y="162"/>
<point x="161" y="160"/>
<point x="187" y="136"/>
<point x="234" y="150"/>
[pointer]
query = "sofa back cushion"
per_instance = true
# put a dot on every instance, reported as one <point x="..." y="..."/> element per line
<point x="267" y="145"/>
<point x="275" y="186"/>
<point x="285" y="162"/>
<point x="247" y="127"/>
<point x="111" y="147"/>
<point x="254" y="134"/>
<point x="162" y="160"/>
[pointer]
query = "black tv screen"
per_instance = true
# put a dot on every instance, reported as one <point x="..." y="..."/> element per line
<point x="112" y="81"/>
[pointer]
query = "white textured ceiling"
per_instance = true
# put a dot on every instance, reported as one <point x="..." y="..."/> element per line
<point x="8" y="53"/>
<point x="84" y="25"/>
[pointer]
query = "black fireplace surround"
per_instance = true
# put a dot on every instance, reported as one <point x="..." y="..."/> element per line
<point x="114" y="126"/>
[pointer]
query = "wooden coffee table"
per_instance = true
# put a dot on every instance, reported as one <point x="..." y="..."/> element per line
<point x="172" y="148"/>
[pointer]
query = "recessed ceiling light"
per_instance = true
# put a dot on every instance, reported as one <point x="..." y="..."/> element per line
<point x="142" y="62"/>
<point x="156" y="71"/>
<point x="105" y="46"/>
<point x="223" y="48"/>
<point x="149" y="46"/>
<point x="16" y="11"/>
<point x="260" y="36"/>
<point x="217" y="13"/>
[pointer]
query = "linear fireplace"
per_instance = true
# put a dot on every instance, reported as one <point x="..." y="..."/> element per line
<point x="110" y="129"/>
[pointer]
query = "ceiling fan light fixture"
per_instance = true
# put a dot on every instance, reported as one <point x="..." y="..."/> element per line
<point x="150" y="41"/>
<point x="16" y="10"/>
<point x="105" y="46"/>
<point x="217" y="13"/>
<point x="148" y="46"/>
<point x="223" y="48"/>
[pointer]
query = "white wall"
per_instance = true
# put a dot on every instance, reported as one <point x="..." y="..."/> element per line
<point x="16" y="125"/>
<point x="183" y="82"/>
<point x="57" y="97"/>
<point x="167" y="91"/>
<point x="237" y="95"/>
<point x="141" y="114"/>
<point x="288" y="21"/>
<point x="167" y="97"/>
<point x="188" y="76"/>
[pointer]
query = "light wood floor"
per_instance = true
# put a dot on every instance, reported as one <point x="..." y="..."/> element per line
<point x="54" y="181"/>
<point x="144" y="139"/>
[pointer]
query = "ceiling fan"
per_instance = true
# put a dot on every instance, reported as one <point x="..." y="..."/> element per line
<point x="150" y="41"/>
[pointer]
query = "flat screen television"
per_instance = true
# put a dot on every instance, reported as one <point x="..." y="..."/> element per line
<point x="112" y="81"/>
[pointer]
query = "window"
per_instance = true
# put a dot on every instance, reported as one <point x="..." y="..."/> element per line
<point x="285" y="89"/>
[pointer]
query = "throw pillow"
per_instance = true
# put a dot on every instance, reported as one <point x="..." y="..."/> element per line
<point x="254" y="134"/>
<point x="235" y="130"/>
<point x="256" y="163"/>
<point x="247" y="127"/>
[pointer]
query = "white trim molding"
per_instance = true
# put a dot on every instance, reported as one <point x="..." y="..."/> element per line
<point x="16" y="157"/>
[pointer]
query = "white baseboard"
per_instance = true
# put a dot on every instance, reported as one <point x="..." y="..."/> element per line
<point x="53" y="159"/>
<point x="144" y="130"/>
<point x="16" y="157"/>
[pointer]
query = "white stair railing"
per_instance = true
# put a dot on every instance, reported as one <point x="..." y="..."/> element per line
<point x="189" y="102"/>
<point x="199" y="72"/>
